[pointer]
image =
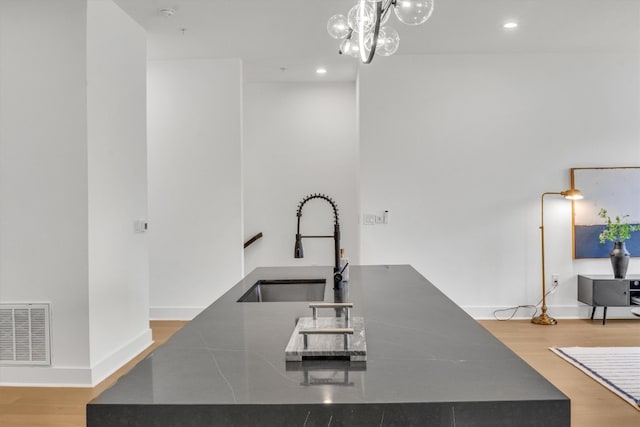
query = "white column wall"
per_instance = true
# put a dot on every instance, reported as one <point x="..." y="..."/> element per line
<point x="118" y="264"/>
<point x="72" y="180"/>
<point x="43" y="177"/>
<point x="195" y="196"/>
<point x="299" y="138"/>
<point x="460" y="148"/>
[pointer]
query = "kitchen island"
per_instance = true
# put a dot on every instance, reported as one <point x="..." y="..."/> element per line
<point x="428" y="364"/>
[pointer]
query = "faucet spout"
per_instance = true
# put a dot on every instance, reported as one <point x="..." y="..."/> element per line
<point x="299" y="253"/>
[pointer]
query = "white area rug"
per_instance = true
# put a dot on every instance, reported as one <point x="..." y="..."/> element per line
<point x="617" y="368"/>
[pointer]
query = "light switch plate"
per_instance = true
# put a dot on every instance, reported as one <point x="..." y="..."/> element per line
<point x="369" y="219"/>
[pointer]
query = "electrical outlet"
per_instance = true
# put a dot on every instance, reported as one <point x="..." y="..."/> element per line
<point x="140" y="226"/>
<point x="555" y="280"/>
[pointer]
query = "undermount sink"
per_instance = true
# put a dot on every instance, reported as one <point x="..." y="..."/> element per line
<point x="283" y="290"/>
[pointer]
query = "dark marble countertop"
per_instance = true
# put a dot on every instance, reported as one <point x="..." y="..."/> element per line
<point x="427" y="360"/>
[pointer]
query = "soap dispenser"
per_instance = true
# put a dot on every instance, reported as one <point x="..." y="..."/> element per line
<point x="344" y="266"/>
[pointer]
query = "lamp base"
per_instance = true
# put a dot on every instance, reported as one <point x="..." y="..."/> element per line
<point x="544" y="319"/>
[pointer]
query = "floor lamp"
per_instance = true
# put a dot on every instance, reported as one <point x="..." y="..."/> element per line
<point x="544" y="318"/>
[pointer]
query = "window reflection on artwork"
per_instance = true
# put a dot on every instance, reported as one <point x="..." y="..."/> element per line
<point x="615" y="189"/>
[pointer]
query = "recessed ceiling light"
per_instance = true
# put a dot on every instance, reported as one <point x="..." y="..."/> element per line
<point x="321" y="70"/>
<point x="167" y="12"/>
<point x="510" y="25"/>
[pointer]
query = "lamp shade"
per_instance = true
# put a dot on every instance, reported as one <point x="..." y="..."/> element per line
<point x="572" y="194"/>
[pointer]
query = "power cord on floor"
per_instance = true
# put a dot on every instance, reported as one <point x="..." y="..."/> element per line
<point x="515" y="311"/>
<point x="516" y="308"/>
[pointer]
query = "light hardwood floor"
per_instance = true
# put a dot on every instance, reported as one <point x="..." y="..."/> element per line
<point x="592" y="405"/>
<point x="65" y="407"/>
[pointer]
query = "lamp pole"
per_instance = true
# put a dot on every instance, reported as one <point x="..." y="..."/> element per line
<point x="544" y="318"/>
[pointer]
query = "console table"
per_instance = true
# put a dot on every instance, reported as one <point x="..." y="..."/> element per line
<point x="602" y="290"/>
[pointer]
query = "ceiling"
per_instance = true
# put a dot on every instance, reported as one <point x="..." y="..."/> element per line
<point x="287" y="40"/>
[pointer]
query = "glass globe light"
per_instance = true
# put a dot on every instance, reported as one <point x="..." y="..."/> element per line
<point x="368" y="42"/>
<point x="369" y="18"/>
<point x="338" y="26"/>
<point x="413" y="12"/>
<point x="345" y="46"/>
<point x="388" y="41"/>
<point x="355" y="50"/>
<point x="350" y="47"/>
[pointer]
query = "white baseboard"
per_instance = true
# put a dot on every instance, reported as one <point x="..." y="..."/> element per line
<point x="174" y="313"/>
<point x="118" y="358"/>
<point x="44" y="376"/>
<point x="58" y="376"/>
<point x="558" y="312"/>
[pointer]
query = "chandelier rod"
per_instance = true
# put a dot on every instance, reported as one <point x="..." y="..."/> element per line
<point x="364" y="21"/>
<point x="366" y="59"/>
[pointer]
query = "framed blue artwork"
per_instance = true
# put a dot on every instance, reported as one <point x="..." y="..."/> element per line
<point x="616" y="189"/>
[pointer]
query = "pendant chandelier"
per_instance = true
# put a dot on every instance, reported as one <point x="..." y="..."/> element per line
<point x="364" y="31"/>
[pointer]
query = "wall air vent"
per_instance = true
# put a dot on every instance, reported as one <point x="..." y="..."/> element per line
<point x="24" y="334"/>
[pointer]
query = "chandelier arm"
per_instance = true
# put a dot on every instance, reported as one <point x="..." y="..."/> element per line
<point x="374" y="41"/>
<point x="386" y="8"/>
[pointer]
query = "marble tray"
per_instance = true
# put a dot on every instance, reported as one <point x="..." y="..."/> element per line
<point x="330" y="347"/>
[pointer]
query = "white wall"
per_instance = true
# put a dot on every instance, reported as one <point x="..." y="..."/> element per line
<point x="299" y="138"/>
<point x="72" y="179"/>
<point x="118" y="264"/>
<point x="194" y="144"/>
<point x="43" y="176"/>
<point x="460" y="148"/>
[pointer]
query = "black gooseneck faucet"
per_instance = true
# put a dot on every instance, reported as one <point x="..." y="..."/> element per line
<point x="298" y="253"/>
